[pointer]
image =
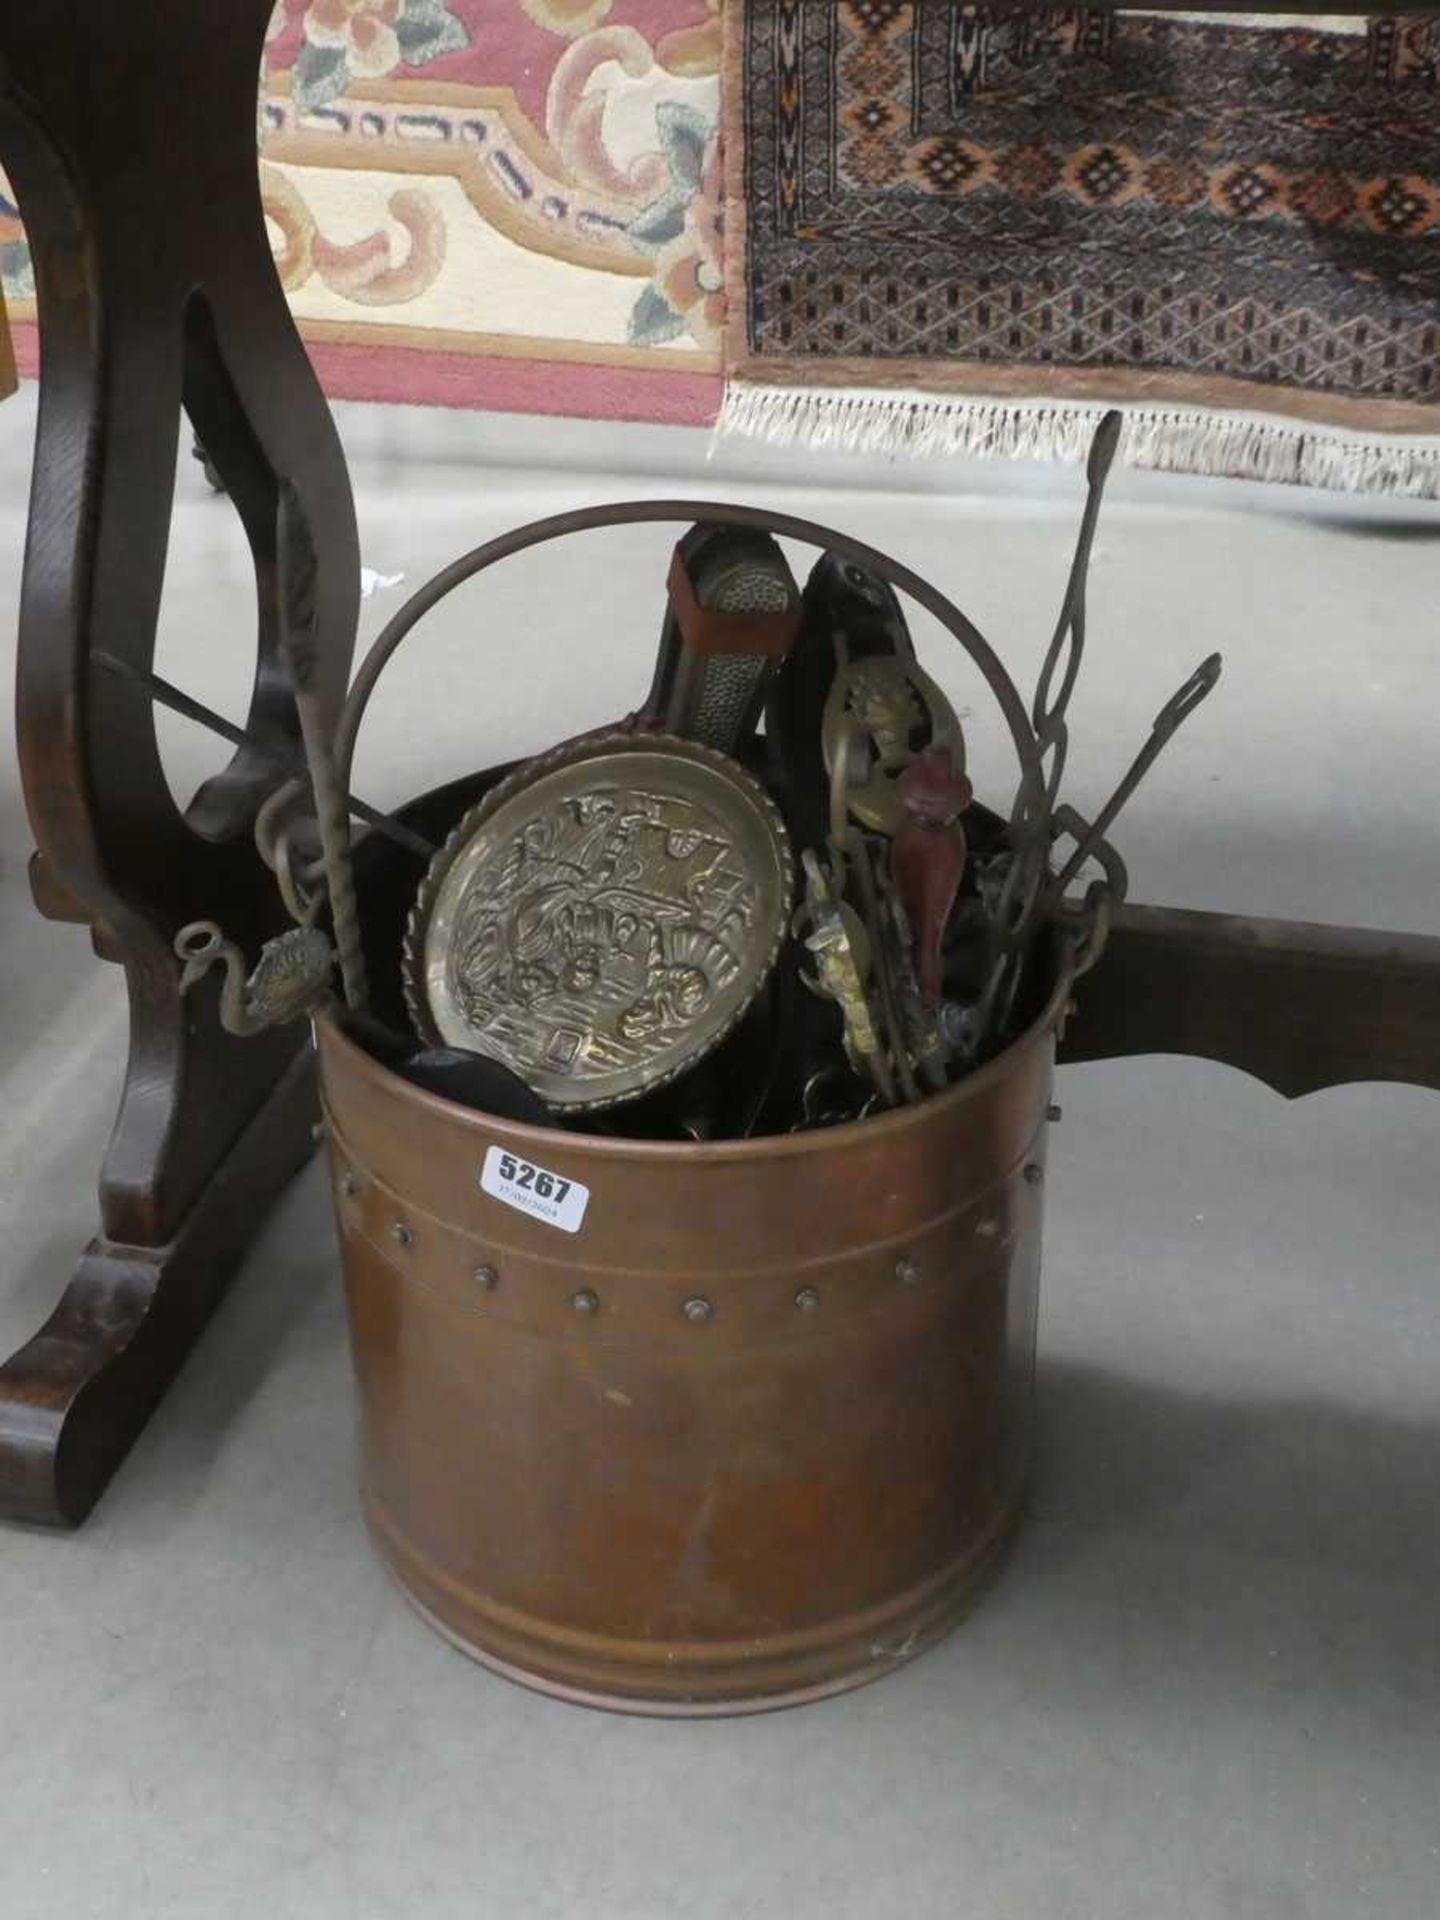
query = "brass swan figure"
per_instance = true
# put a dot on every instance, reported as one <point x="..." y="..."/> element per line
<point x="291" y="977"/>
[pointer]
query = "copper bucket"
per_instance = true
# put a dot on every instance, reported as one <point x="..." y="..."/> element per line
<point x="753" y="1436"/>
<point x="715" y="1427"/>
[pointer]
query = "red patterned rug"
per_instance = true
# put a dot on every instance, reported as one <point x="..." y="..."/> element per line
<point x="957" y="229"/>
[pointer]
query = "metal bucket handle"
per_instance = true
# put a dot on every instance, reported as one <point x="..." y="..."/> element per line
<point x="640" y="512"/>
<point x="332" y="771"/>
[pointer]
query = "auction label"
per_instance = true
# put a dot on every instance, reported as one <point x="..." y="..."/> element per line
<point x="534" y="1190"/>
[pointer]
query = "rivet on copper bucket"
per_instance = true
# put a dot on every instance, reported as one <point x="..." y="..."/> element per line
<point x="698" y="1310"/>
<point x="349" y="1185"/>
<point x="401" y="1234"/>
<point x="486" y="1278"/>
<point x="807" y="1299"/>
<point x="1034" y="1174"/>
<point x="586" y="1301"/>
<point x="907" y="1272"/>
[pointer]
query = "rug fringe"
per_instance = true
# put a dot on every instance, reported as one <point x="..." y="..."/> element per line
<point x="1167" y="439"/>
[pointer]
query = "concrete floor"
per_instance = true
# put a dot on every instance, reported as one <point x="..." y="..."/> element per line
<point x="1206" y="1687"/>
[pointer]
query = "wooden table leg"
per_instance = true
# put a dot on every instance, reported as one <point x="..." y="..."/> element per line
<point x="1301" y="1007"/>
<point x="128" y="130"/>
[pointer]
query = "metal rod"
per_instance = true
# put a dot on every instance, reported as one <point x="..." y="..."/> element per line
<point x="870" y="906"/>
<point x="1176" y="710"/>
<point x="164" y="694"/>
<point x="1050" y="705"/>
<point x="297" y="570"/>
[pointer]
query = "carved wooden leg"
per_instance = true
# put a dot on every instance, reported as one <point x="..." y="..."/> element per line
<point x="155" y="288"/>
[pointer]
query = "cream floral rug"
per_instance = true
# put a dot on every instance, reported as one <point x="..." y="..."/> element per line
<point x="492" y="203"/>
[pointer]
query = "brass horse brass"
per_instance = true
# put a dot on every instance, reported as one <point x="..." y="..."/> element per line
<point x="603" y="918"/>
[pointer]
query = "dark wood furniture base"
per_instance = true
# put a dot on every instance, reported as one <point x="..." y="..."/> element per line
<point x="74" y="1398"/>
<point x="1299" y="1006"/>
<point x="127" y="128"/>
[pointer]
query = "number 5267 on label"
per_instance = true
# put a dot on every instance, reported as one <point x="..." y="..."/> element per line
<point x="544" y="1195"/>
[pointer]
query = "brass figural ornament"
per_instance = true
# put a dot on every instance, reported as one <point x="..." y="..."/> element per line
<point x="603" y="918"/>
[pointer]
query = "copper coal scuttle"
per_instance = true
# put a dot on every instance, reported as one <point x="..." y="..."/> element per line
<point x="687" y="1090"/>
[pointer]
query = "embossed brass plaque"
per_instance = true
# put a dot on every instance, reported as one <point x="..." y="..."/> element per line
<point x="603" y="918"/>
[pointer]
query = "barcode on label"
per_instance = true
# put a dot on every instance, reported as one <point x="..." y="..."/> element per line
<point x="544" y="1195"/>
